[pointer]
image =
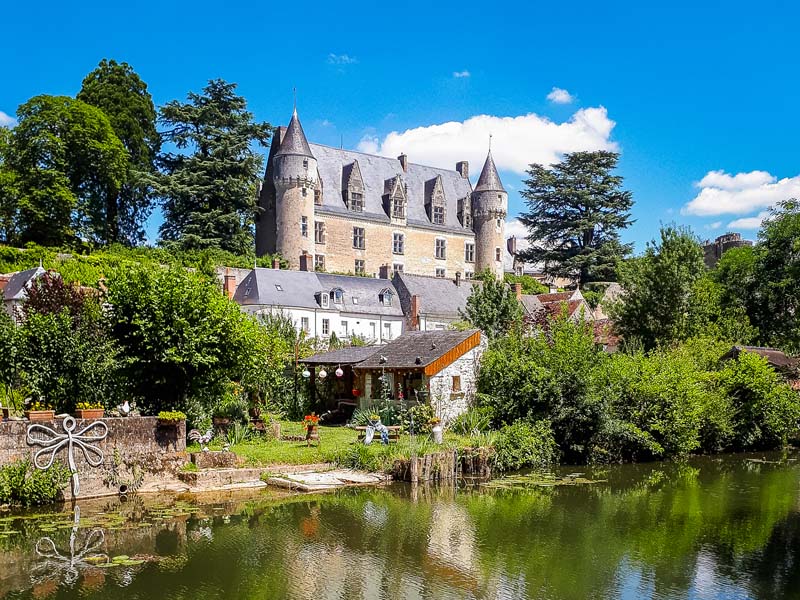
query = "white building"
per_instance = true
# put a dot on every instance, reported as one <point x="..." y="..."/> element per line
<point x="321" y="304"/>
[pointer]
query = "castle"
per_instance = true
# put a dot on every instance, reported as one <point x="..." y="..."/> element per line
<point x="335" y="210"/>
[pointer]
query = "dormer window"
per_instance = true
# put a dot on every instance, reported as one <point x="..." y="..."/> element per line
<point x="386" y="297"/>
<point x="465" y="212"/>
<point x="395" y="198"/>
<point x="278" y="287"/>
<point x="353" y="187"/>
<point x="324" y="300"/>
<point x="435" y="200"/>
<point x="337" y="295"/>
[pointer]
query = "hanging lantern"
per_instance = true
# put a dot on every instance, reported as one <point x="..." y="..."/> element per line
<point x="323" y="374"/>
<point x="306" y="373"/>
<point x="339" y="372"/>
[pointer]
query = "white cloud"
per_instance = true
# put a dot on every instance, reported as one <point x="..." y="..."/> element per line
<point x="740" y="194"/>
<point x="516" y="141"/>
<point x="461" y="74"/>
<point x="7" y="120"/>
<point x="341" y="59"/>
<point x="713" y="226"/>
<point x="560" y="96"/>
<point x="749" y="222"/>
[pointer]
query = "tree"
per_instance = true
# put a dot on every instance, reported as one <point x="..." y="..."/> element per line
<point x="68" y="161"/>
<point x="9" y="191"/>
<point x="492" y="307"/>
<point x="210" y="193"/>
<point x="575" y="212"/>
<point x="658" y="289"/>
<point x="119" y="92"/>
<point x="529" y="284"/>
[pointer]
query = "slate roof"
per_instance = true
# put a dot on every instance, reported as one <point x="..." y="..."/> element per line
<point x="343" y="356"/>
<point x="332" y="163"/>
<point x="438" y="296"/>
<point x="18" y="283"/>
<point x="299" y="289"/>
<point x="776" y="358"/>
<point x="415" y="349"/>
<point x="294" y="140"/>
<point x="531" y="304"/>
<point x="489" y="181"/>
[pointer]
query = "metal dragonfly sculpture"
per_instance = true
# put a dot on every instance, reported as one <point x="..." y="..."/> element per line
<point x="52" y="442"/>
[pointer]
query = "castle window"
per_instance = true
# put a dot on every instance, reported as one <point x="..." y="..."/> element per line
<point x="305" y="192"/>
<point x="440" y="273"/>
<point x="386" y="297"/>
<point x="359" y="270"/>
<point x="337" y="295"/>
<point x="465" y="212"/>
<point x="319" y="232"/>
<point x="441" y="248"/>
<point x="498" y="255"/>
<point x="398" y="243"/>
<point x="319" y="262"/>
<point x="435" y="201"/>
<point x="394" y="198"/>
<point x="398" y="208"/>
<point x="397" y="267"/>
<point x="353" y="187"/>
<point x="359" y="241"/>
<point x="304" y="226"/>
<point x="305" y="163"/>
<point x="357" y="201"/>
<point x="318" y="196"/>
<point x="469" y="252"/>
<point x="468" y="274"/>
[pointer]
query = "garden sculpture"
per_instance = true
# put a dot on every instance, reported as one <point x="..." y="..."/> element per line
<point x="202" y="439"/>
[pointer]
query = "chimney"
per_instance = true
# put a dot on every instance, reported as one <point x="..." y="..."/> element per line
<point x="403" y="162"/>
<point x="229" y="286"/>
<point x="276" y="263"/>
<point x="458" y="277"/>
<point x="462" y="167"/>
<point x="383" y="272"/>
<point x="305" y="261"/>
<point x="414" y="317"/>
<point x="518" y="291"/>
<point x="511" y="244"/>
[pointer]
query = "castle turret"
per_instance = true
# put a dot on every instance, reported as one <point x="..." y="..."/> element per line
<point x="489" y="209"/>
<point x="294" y="173"/>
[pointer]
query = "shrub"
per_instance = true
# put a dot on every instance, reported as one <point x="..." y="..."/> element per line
<point x="171" y="415"/>
<point x="525" y="445"/>
<point x="477" y="419"/>
<point x="421" y="414"/>
<point x="23" y="485"/>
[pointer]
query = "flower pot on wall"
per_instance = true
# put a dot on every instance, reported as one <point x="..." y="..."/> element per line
<point x="6" y="412"/>
<point x="89" y="413"/>
<point x="40" y="415"/>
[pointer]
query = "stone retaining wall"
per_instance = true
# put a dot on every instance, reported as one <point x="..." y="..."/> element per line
<point x="136" y="449"/>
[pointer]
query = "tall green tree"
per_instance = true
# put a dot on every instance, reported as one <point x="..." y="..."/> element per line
<point x="117" y="90"/>
<point x="67" y="161"/>
<point x="492" y="307"/>
<point x="9" y="190"/>
<point x="658" y="289"/>
<point x="576" y="209"/>
<point x="210" y="191"/>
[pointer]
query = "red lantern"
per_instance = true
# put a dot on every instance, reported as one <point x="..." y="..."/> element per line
<point x="356" y="392"/>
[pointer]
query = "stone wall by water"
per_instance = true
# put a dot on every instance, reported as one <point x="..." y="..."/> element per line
<point x="136" y="451"/>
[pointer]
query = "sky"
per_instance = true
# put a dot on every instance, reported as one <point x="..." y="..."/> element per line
<point x="699" y="98"/>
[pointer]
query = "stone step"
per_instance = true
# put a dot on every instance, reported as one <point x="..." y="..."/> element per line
<point x="218" y="478"/>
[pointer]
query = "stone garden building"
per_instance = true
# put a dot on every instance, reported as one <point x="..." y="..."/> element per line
<point x="336" y="210"/>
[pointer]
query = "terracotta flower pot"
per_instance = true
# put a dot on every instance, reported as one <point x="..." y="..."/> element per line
<point x="6" y="412"/>
<point x="89" y="413"/>
<point x="168" y="423"/>
<point x="40" y="415"/>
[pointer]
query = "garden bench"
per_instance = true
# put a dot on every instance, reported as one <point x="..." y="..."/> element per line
<point x="393" y="431"/>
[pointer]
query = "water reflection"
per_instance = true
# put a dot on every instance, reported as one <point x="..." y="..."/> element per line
<point x="709" y="528"/>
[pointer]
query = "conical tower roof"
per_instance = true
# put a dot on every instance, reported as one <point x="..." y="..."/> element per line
<point x="294" y="141"/>
<point x="489" y="181"/>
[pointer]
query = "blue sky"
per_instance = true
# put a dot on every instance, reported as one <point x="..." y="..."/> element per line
<point x="700" y="98"/>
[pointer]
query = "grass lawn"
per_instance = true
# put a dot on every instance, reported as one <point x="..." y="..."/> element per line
<point x="337" y="444"/>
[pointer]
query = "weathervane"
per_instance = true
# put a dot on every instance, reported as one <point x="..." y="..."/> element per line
<point x="52" y="442"/>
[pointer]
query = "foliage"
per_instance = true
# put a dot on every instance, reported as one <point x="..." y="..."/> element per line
<point x="576" y="209"/>
<point x="210" y="193"/>
<point x="50" y="294"/>
<point x="417" y="419"/>
<point x="529" y="284"/>
<point x="68" y="165"/>
<point x="525" y="445"/>
<point x="10" y="348"/>
<point x="237" y="433"/>
<point x="23" y="485"/>
<point x="183" y="340"/>
<point x="119" y="92"/>
<point x="477" y="419"/>
<point x="492" y="307"/>
<point x="172" y="416"/>
<point x="88" y="405"/>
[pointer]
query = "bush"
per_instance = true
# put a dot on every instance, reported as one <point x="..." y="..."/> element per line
<point x="23" y="485"/>
<point x="477" y="419"/>
<point x="525" y="445"/>
<point x="421" y="414"/>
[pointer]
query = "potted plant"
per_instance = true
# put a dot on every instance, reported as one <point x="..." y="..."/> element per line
<point x="436" y="429"/>
<point x="89" y="410"/>
<point x="310" y="424"/>
<point x="38" y="410"/>
<point x="170" y="418"/>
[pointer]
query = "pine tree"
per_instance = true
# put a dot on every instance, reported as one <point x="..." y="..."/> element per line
<point x="210" y="193"/>
<point x="575" y="212"/>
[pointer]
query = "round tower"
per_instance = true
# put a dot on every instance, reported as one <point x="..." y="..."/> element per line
<point x="489" y="209"/>
<point x="294" y="172"/>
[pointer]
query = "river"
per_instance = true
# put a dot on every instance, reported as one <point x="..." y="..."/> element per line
<point x="712" y="527"/>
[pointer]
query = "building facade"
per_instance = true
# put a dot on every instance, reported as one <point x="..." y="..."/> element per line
<point x="713" y="251"/>
<point x="335" y="210"/>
